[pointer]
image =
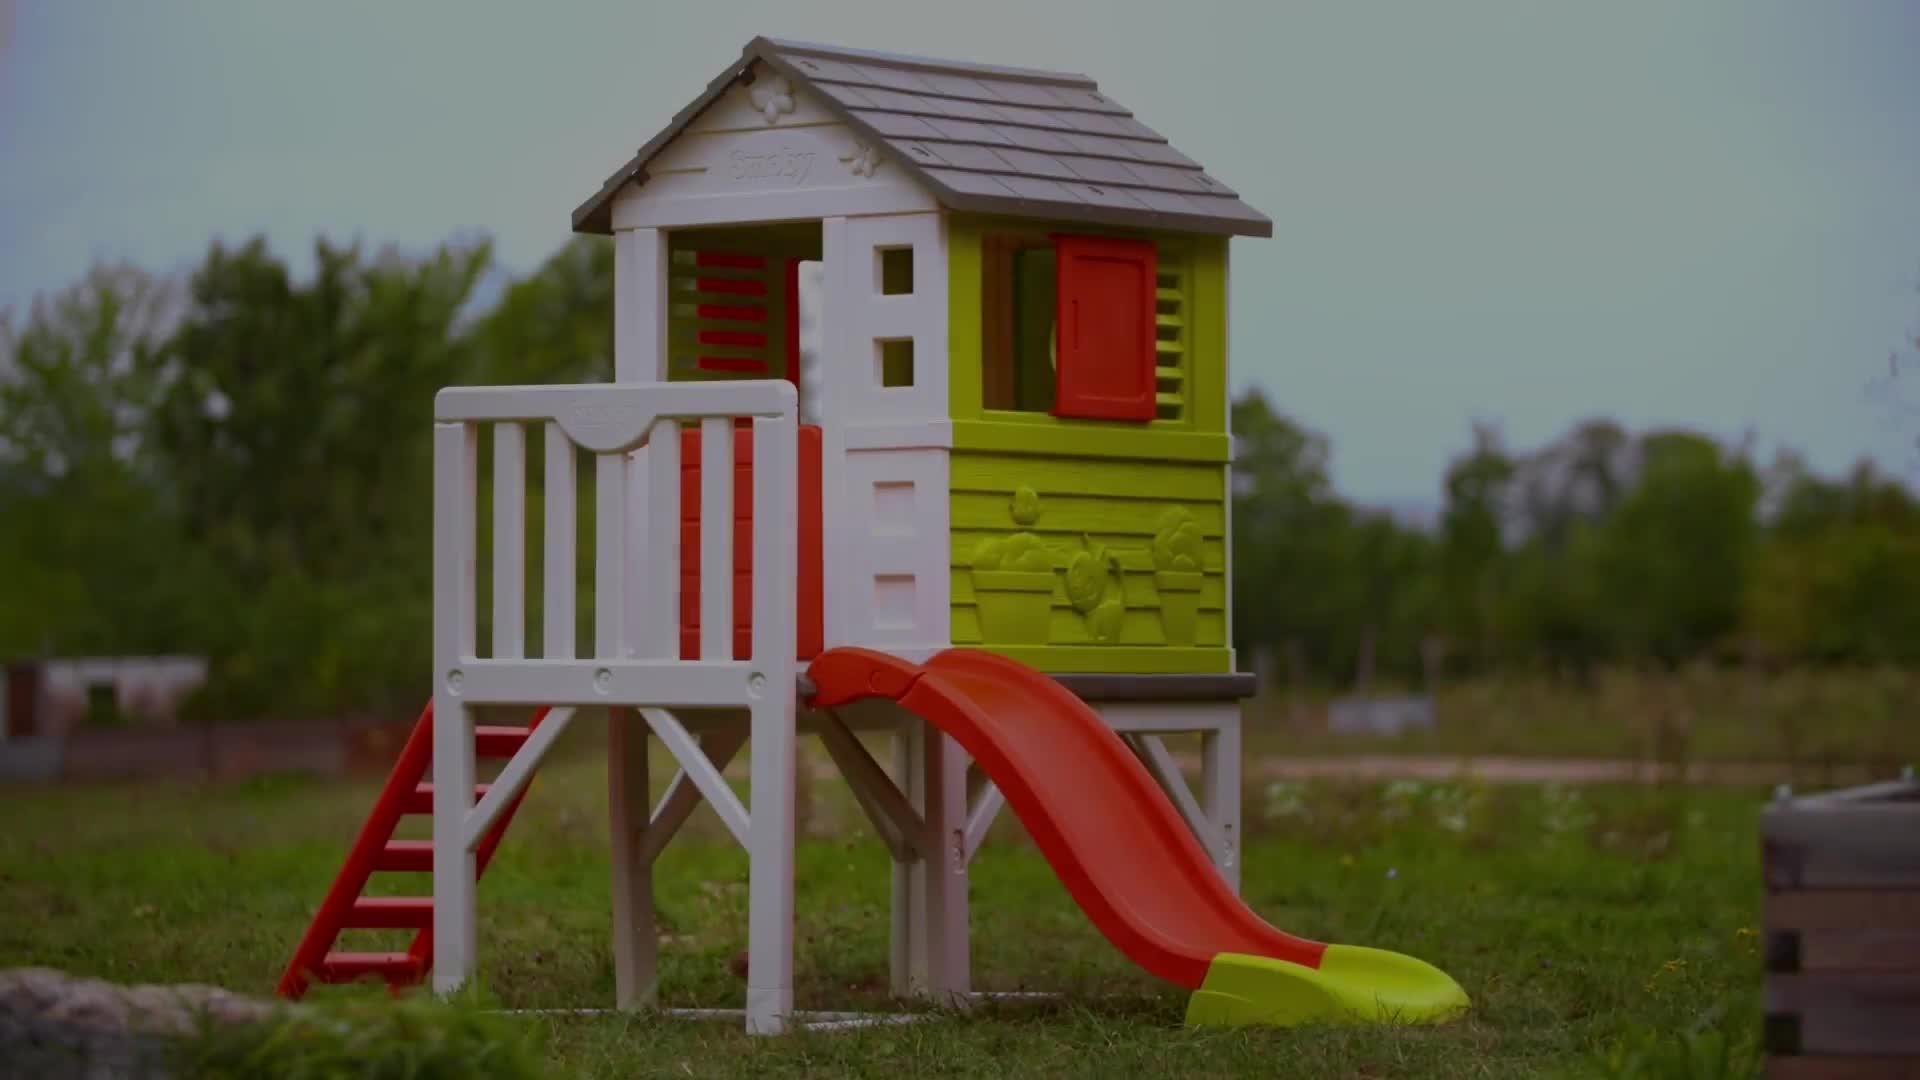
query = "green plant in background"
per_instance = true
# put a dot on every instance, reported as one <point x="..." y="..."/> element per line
<point x="1013" y="586"/>
<point x="1176" y="574"/>
<point x="417" y="1038"/>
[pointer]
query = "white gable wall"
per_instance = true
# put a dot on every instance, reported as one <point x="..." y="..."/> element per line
<point x="733" y="165"/>
<point x="884" y="459"/>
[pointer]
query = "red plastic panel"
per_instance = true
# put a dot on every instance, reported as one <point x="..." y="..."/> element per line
<point x="1104" y="346"/>
<point x="812" y="628"/>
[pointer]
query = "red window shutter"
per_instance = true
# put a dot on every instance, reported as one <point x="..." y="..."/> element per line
<point x="1104" y="349"/>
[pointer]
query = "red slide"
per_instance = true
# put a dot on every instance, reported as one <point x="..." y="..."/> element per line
<point x="1112" y="836"/>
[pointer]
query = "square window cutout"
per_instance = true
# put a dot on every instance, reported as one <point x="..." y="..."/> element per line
<point x="896" y="271"/>
<point x="896" y="362"/>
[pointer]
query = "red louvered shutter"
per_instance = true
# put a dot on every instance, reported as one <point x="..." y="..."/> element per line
<point x="1104" y="350"/>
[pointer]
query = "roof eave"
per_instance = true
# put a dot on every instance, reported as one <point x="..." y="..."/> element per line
<point x="1113" y="216"/>
<point x="596" y="214"/>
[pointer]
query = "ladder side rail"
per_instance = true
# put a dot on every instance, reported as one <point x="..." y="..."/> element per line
<point x="351" y="881"/>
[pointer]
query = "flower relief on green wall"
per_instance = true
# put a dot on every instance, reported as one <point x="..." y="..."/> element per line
<point x="1093" y="588"/>
<point x="1013" y="583"/>
<point x="1176" y="574"/>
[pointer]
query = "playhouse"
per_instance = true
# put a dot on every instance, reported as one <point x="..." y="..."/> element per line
<point x="1001" y="535"/>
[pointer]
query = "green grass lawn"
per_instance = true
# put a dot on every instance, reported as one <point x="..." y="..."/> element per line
<point x="1803" y="717"/>
<point x="1586" y="925"/>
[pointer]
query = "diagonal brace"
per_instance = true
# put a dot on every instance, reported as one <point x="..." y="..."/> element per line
<point x="900" y="826"/>
<point x="1166" y="771"/>
<point x="696" y="766"/>
<point x="986" y="806"/>
<point x="683" y="795"/>
<point x="513" y="778"/>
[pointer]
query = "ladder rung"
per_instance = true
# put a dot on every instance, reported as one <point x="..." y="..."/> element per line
<point x="341" y="967"/>
<point x="499" y="742"/>
<point x="406" y="856"/>
<point x="420" y="800"/>
<point x="391" y="913"/>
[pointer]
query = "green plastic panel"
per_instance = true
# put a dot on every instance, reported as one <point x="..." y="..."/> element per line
<point x="1090" y="564"/>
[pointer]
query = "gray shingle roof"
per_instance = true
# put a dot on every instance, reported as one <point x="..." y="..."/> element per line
<point x="986" y="139"/>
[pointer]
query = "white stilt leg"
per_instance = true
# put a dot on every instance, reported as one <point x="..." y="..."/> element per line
<point x="770" y="873"/>
<point x="454" y="938"/>
<point x="944" y="870"/>
<point x="1220" y="792"/>
<point x="636" y="940"/>
<point x="455" y="468"/>
<point x="904" y="936"/>
<point x="930" y="947"/>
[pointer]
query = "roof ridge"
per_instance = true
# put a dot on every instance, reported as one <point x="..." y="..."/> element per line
<point x="907" y="62"/>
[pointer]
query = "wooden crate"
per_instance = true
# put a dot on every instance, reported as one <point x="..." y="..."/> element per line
<point x="1842" y="933"/>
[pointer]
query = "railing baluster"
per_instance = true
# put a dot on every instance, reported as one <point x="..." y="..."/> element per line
<point x="610" y="556"/>
<point x="509" y="541"/>
<point x="776" y="527"/>
<point x="660" y="631"/>
<point x="557" y="597"/>
<point x="716" y="538"/>
<point x="455" y="465"/>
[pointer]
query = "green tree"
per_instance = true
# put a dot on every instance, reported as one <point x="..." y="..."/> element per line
<point x="1672" y="560"/>
<point x="91" y="552"/>
<point x="1473" y="529"/>
<point x="1283" y="518"/>
<point x="555" y="325"/>
<point x="299" y="430"/>
<point x="298" y="435"/>
<point x="79" y="379"/>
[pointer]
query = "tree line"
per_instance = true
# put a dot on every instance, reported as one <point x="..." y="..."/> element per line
<point x="235" y="462"/>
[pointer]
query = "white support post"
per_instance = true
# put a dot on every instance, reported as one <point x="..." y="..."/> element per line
<point x="455" y="465"/>
<point x="636" y="940"/>
<point x="1220" y="792"/>
<point x="936" y="916"/>
<point x="903" y="936"/>
<point x="557" y="555"/>
<point x="774" y="708"/>
<point x="640" y="305"/>
<point x="945" y="869"/>
<point x="716" y="538"/>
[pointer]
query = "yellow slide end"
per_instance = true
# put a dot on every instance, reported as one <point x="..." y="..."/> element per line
<point x="1353" y="984"/>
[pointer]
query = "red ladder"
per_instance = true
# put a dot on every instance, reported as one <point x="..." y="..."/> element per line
<point x="406" y="792"/>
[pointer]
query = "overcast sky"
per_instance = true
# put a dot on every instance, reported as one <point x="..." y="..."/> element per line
<point x="1672" y="213"/>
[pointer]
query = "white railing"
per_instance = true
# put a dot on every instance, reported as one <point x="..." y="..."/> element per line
<point x="636" y="656"/>
<point x="636" y="661"/>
